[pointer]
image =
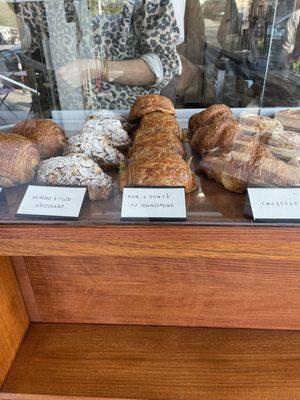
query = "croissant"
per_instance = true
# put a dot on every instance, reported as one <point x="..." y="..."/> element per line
<point x="47" y="135"/>
<point x="157" y="138"/>
<point x="148" y="104"/>
<point x="250" y="163"/>
<point x="289" y="118"/>
<point x="19" y="160"/>
<point x="225" y="169"/>
<point x="76" y="170"/>
<point x="161" y="120"/>
<point x="96" y="147"/>
<point x="269" y="171"/>
<point x="260" y="123"/>
<point x="111" y="129"/>
<point x="158" y="166"/>
<point x="220" y="134"/>
<point x="209" y="116"/>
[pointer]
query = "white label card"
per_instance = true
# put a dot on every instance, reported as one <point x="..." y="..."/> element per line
<point x="275" y="204"/>
<point x="154" y="203"/>
<point x="52" y="201"/>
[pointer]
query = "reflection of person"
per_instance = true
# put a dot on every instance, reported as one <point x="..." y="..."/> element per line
<point x="191" y="51"/>
<point x="229" y="30"/>
<point x="138" y="41"/>
<point x="121" y="50"/>
<point x="291" y="45"/>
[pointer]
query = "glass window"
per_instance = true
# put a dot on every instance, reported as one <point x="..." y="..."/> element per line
<point x="65" y="64"/>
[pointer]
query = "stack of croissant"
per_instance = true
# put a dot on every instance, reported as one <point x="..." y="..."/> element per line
<point x="156" y="157"/>
<point x="22" y="150"/>
<point x="248" y="153"/>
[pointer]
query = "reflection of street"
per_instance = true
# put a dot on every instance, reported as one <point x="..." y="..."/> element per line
<point x="211" y="30"/>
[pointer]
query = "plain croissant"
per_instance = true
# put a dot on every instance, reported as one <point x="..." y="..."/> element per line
<point x="19" y="160"/>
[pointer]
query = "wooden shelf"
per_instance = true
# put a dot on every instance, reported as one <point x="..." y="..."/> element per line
<point x="155" y="363"/>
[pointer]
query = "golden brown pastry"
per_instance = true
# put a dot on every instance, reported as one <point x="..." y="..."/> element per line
<point x="224" y="168"/>
<point x="161" y="120"/>
<point x="250" y="163"/>
<point x="269" y="171"/>
<point x="221" y="134"/>
<point x="260" y="123"/>
<point x="47" y="135"/>
<point x="158" y="166"/>
<point x="148" y="104"/>
<point x="290" y="119"/>
<point x="19" y="160"/>
<point x="209" y="116"/>
<point x="157" y="138"/>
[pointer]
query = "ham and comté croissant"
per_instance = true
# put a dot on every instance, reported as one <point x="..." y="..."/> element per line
<point x="163" y="137"/>
<point x="158" y="166"/>
<point x="149" y="104"/>
<point x="19" y="160"/>
<point x="159" y="120"/>
<point x="46" y="134"/>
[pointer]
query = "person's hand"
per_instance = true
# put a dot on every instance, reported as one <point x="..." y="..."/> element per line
<point x="80" y="72"/>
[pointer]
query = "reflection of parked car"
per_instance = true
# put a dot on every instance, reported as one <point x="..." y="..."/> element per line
<point x="214" y="9"/>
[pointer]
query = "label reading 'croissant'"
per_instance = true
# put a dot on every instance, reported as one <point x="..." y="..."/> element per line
<point x="275" y="204"/>
<point x="154" y="203"/>
<point x="52" y="202"/>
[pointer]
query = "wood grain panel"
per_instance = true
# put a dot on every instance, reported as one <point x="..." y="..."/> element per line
<point x="165" y="241"/>
<point x="13" y="317"/>
<point x="17" y="396"/>
<point x="157" y="363"/>
<point x="26" y="288"/>
<point x="184" y="291"/>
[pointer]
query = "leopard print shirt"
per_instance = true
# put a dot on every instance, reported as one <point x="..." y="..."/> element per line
<point x="127" y="31"/>
<point x="137" y="28"/>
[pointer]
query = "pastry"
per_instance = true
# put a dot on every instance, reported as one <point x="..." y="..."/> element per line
<point x="225" y="169"/>
<point x="269" y="171"/>
<point x="209" y="116"/>
<point x="250" y="163"/>
<point x="19" y="160"/>
<point x="104" y="115"/>
<point x="231" y="168"/>
<point x="109" y="128"/>
<point x="290" y="119"/>
<point x="148" y="104"/>
<point x="96" y="147"/>
<point x="284" y="145"/>
<point x="158" y="166"/>
<point x="157" y="138"/>
<point x="161" y="120"/>
<point x="76" y="170"/>
<point x="220" y="134"/>
<point x="47" y="135"/>
<point x="259" y="123"/>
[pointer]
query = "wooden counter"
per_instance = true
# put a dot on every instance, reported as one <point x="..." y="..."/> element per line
<point x="92" y="288"/>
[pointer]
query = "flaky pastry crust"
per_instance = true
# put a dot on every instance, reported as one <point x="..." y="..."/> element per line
<point x="148" y="104"/>
<point x="158" y="166"/>
<point x="46" y="134"/>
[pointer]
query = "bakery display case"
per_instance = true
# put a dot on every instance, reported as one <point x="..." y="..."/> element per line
<point x="182" y="110"/>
